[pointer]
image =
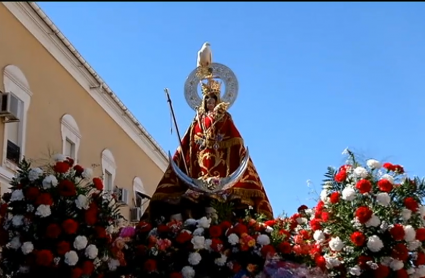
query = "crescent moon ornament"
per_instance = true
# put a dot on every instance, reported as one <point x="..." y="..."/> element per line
<point x="216" y="71"/>
<point x="212" y="185"/>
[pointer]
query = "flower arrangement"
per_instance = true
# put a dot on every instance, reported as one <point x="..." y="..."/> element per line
<point x="208" y="247"/>
<point x="370" y="221"/>
<point x="56" y="222"/>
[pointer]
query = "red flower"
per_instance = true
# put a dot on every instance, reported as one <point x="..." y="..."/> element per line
<point x="268" y="250"/>
<point x="176" y="275"/>
<point x="394" y="168"/>
<point x="88" y="268"/>
<point x="385" y="185"/>
<point x="216" y="244"/>
<point x="100" y="232"/>
<point x="397" y="232"/>
<point x="78" y="170"/>
<point x="163" y="228"/>
<point x="53" y="231"/>
<point x="362" y="260"/>
<point x="76" y="272"/>
<point x="31" y="193"/>
<point x="44" y="199"/>
<point x="420" y="259"/>
<point x="420" y="234"/>
<point x="334" y="198"/>
<point x="70" y="161"/>
<point x="215" y="231"/>
<point x="240" y="229"/>
<point x="400" y="252"/>
<point x="61" y="167"/>
<point x="270" y="223"/>
<point x="363" y="214"/>
<point x="150" y="265"/>
<point x="67" y="188"/>
<point x="225" y="225"/>
<point x="3" y="209"/>
<point x="402" y="273"/>
<point x="341" y="176"/>
<point x="381" y="272"/>
<point x="315" y="224"/>
<point x="358" y="238"/>
<point x="90" y="216"/>
<point x="325" y="216"/>
<point x="44" y="257"/>
<point x="411" y="204"/>
<point x="70" y="226"/>
<point x="183" y="237"/>
<point x="63" y="247"/>
<point x="320" y="262"/>
<point x="98" y="183"/>
<point x="305" y="234"/>
<point x="284" y="247"/>
<point x="364" y="186"/>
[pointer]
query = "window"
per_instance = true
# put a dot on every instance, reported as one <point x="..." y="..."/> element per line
<point x="109" y="169"/>
<point x="139" y="194"/>
<point x="15" y="82"/>
<point x="71" y="136"/>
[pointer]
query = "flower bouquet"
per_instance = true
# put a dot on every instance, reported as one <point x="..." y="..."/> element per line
<point x="56" y="222"/>
<point x="370" y="221"/>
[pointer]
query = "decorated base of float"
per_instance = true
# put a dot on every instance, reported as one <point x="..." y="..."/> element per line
<point x="58" y="221"/>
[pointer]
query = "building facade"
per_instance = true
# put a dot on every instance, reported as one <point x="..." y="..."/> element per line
<point x="52" y="101"/>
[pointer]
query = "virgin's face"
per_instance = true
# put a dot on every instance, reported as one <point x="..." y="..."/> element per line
<point x="210" y="104"/>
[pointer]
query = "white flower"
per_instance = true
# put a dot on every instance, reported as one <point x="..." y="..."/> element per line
<point x="336" y="244"/>
<point x="396" y="265"/>
<point x="113" y="264"/>
<point x="87" y="173"/>
<point x="420" y="270"/>
<point x="302" y="220"/>
<point x="324" y="195"/>
<point x="410" y="270"/>
<point x="190" y="222"/>
<point x="355" y="270"/>
<point x="221" y="261"/>
<point x="71" y="258"/>
<point x="208" y="243"/>
<point x="386" y="260"/>
<point x="409" y="233"/>
<point x="188" y="272"/>
<point x="43" y="211"/>
<point x="59" y="157"/>
<point x="91" y="251"/>
<point x="348" y="193"/>
<point x="373" y="164"/>
<point x="361" y="172"/>
<point x="15" y="243"/>
<point x="374" y="221"/>
<point x="82" y="202"/>
<point x="80" y="242"/>
<point x="374" y="243"/>
<point x="383" y="199"/>
<point x="263" y="240"/>
<point x="406" y="214"/>
<point x="319" y="236"/>
<point x="17" y="195"/>
<point x="50" y="181"/>
<point x="18" y="220"/>
<point x="388" y="178"/>
<point x="194" y="258"/>
<point x="204" y="223"/>
<point x="331" y="262"/>
<point x="27" y="247"/>
<point x="413" y="245"/>
<point x="198" y="232"/>
<point x="34" y="174"/>
<point x="233" y="239"/>
<point x="198" y="242"/>
<point x="269" y="229"/>
<point x="421" y="211"/>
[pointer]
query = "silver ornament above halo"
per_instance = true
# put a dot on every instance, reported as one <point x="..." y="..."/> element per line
<point x="218" y="71"/>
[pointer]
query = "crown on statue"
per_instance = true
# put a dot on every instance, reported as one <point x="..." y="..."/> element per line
<point x="212" y="87"/>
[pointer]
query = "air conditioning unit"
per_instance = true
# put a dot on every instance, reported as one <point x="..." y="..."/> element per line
<point x="122" y="195"/>
<point x="10" y="108"/>
<point x="135" y="214"/>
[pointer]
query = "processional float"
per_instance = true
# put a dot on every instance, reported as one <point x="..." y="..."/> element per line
<point x="206" y="70"/>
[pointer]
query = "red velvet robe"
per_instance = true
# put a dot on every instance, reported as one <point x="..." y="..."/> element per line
<point x="220" y="158"/>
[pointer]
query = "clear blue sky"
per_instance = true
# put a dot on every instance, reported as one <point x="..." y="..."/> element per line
<point x="314" y="78"/>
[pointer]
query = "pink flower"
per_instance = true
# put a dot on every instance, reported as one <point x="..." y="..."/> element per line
<point x="127" y="232"/>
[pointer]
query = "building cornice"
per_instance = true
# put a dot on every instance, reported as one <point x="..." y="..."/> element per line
<point x="46" y="32"/>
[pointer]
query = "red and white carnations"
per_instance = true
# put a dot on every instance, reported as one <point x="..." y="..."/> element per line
<point x="370" y="221"/>
<point x="56" y="222"/>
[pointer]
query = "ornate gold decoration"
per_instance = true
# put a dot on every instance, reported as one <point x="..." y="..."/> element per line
<point x="211" y="87"/>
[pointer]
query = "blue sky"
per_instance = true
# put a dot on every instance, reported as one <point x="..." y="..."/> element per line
<point x="314" y="78"/>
